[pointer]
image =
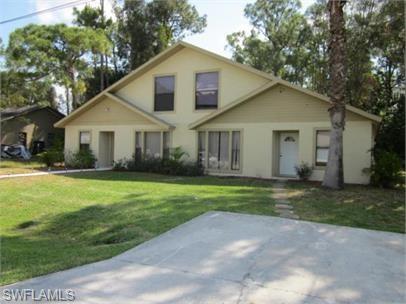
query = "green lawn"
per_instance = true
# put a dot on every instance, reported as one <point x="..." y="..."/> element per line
<point x="50" y="223"/>
<point x="54" y="222"/>
<point x="20" y="166"/>
<point x="356" y="206"/>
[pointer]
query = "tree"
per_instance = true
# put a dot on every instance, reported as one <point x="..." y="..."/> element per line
<point x="57" y="52"/>
<point x="277" y="42"/>
<point x="388" y="98"/>
<point x="146" y="28"/>
<point x="334" y="175"/>
<point x="16" y="91"/>
<point x="317" y="45"/>
<point x="94" y="18"/>
<point x="360" y="83"/>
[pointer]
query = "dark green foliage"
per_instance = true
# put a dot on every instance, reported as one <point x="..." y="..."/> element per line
<point x="159" y="165"/>
<point x="81" y="159"/>
<point x="386" y="171"/>
<point x="277" y="42"/>
<point x="50" y="157"/>
<point x="391" y="132"/>
<point x="173" y="165"/>
<point x="57" y="53"/>
<point x="26" y="224"/>
<point x="294" y="46"/>
<point x="147" y="27"/>
<point x="18" y="90"/>
<point x="304" y="171"/>
<point x="54" y="154"/>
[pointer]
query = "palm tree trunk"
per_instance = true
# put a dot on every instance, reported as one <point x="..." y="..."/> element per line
<point x="334" y="175"/>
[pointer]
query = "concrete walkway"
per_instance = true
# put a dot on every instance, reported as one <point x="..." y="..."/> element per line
<point x="40" y="173"/>
<point x="224" y="257"/>
<point x="282" y="206"/>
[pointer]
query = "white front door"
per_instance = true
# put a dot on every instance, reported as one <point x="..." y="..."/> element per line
<point x="288" y="153"/>
<point x="106" y="149"/>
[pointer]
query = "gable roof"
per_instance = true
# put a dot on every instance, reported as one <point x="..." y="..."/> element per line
<point x="10" y="113"/>
<point x="268" y="86"/>
<point x="172" y="51"/>
<point x="120" y="100"/>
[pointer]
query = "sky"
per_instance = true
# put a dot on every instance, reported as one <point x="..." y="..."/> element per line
<point x="223" y="18"/>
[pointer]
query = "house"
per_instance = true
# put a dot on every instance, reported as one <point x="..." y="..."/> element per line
<point x="31" y="126"/>
<point x="232" y="118"/>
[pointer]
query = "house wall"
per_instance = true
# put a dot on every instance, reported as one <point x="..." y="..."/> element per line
<point x="285" y="109"/>
<point x="259" y="147"/>
<point x="279" y="109"/>
<point x="36" y="124"/>
<point x="233" y="83"/>
<point x="140" y="92"/>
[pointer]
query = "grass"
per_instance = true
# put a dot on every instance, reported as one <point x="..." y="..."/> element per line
<point x="20" y="166"/>
<point x="50" y="223"/>
<point x="55" y="222"/>
<point x="355" y="206"/>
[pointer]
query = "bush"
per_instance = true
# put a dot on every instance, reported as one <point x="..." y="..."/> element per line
<point x="304" y="171"/>
<point x="174" y="165"/>
<point x="386" y="170"/>
<point x="50" y="157"/>
<point x="81" y="159"/>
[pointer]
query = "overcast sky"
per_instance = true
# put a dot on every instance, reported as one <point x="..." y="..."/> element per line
<point x="223" y="17"/>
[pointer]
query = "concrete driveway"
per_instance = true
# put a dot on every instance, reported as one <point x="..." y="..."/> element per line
<point x="224" y="257"/>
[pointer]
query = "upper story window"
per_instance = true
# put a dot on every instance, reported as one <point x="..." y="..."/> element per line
<point x="322" y="146"/>
<point x="206" y="91"/>
<point x="164" y="93"/>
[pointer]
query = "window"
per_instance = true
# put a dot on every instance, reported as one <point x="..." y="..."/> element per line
<point x="164" y="93"/>
<point x="152" y="144"/>
<point x="22" y="138"/>
<point x="155" y="144"/>
<point x="322" y="145"/>
<point x="138" y="146"/>
<point x="235" y="151"/>
<point x="206" y="90"/>
<point x="50" y="139"/>
<point x="222" y="150"/>
<point x="201" y="146"/>
<point x="84" y="141"/>
<point x="166" y="144"/>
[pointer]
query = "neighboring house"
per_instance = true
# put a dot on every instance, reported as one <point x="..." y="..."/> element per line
<point x="234" y="119"/>
<point x="31" y="126"/>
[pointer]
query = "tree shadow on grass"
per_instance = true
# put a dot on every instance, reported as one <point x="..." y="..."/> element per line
<point x="169" y="179"/>
<point x="355" y="206"/>
<point x="100" y="231"/>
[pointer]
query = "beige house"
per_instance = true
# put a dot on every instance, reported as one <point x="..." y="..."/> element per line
<point x="232" y="118"/>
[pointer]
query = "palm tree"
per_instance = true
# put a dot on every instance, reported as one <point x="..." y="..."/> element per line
<point x="334" y="175"/>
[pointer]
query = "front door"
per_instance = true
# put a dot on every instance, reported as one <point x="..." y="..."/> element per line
<point x="106" y="149"/>
<point x="288" y="153"/>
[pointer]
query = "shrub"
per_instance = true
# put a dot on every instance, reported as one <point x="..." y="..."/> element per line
<point x="173" y="165"/>
<point x="50" y="157"/>
<point x="81" y="159"/>
<point x="386" y="170"/>
<point x="177" y="154"/>
<point x="304" y="171"/>
<point x="121" y="164"/>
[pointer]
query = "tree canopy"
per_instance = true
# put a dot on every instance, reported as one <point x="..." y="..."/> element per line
<point x="294" y="46"/>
